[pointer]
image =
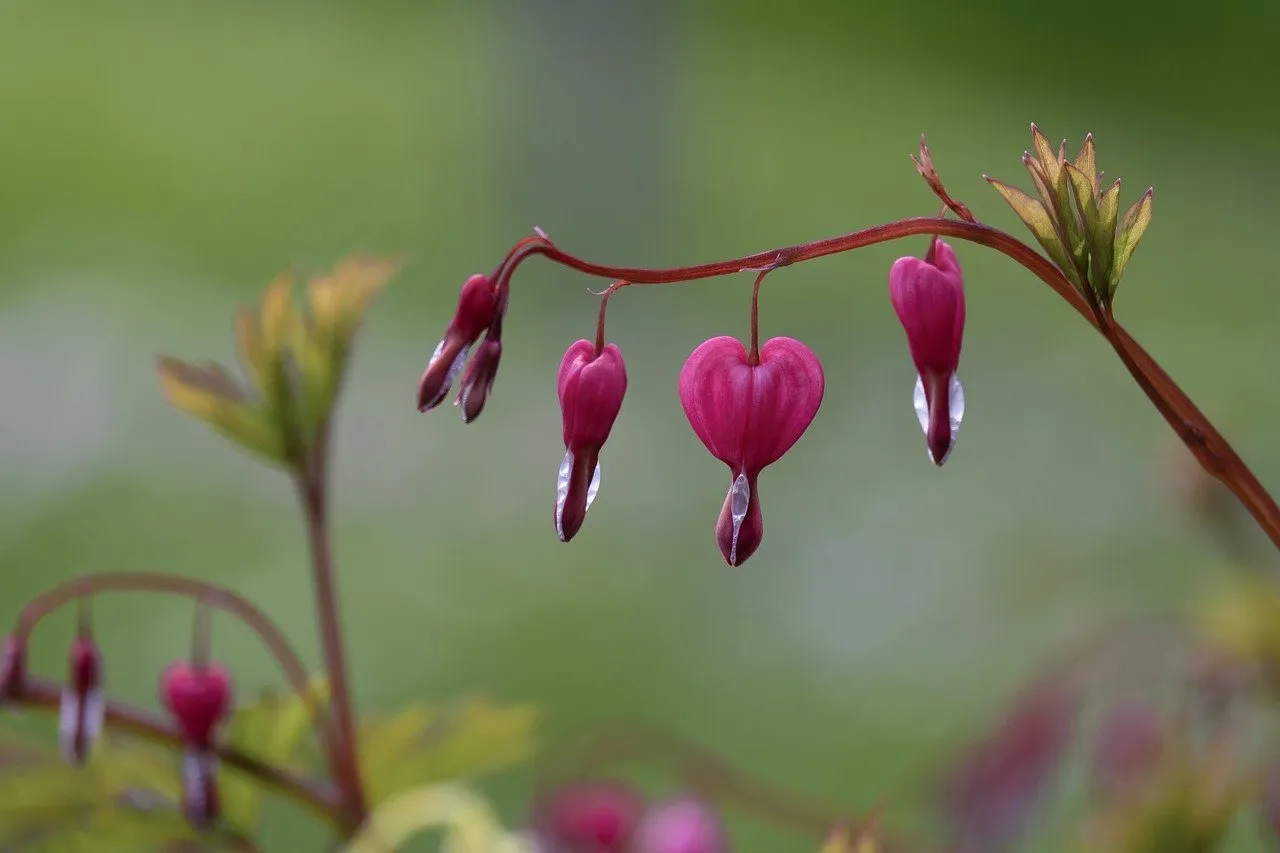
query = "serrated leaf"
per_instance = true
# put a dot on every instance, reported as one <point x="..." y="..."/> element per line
<point x="1034" y="215"/>
<point x="469" y="821"/>
<point x="209" y="393"/>
<point x="421" y="745"/>
<point x="1132" y="227"/>
<point x="274" y="730"/>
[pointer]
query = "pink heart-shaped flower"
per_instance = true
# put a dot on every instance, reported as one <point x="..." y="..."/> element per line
<point x="199" y="697"/>
<point x="748" y="416"/>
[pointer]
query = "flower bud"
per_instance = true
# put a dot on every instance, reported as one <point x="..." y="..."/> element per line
<point x="83" y="708"/>
<point x="748" y="416"/>
<point x="477" y="381"/>
<point x="199" y="696"/>
<point x="477" y="306"/>
<point x="928" y="296"/>
<point x="13" y="668"/>
<point x="591" y="386"/>
<point x="588" y="817"/>
<point x="681" y="826"/>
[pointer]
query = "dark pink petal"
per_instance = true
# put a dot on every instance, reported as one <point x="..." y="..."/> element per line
<point x="929" y="301"/>
<point x="591" y="389"/>
<point x="1131" y="744"/>
<point x="477" y="308"/>
<point x="477" y="381"/>
<point x="199" y="696"/>
<point x="82" y="711"/>
<point x="749" y="416"/>
<point x="588" y="817"/>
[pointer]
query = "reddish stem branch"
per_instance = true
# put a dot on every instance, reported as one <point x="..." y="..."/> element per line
<point x="344" y="753"/>
<point x="45" y="694"/>
<point x="1210" y="448"/>
<point x="276" y="643"/>
<point x="604" y="307"/>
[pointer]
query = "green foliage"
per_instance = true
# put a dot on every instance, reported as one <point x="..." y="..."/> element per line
<point x="1074" y="220"/>
<point x="273" y="730"/>
<point x="422" y="745"/>
<point x="124" y="800"/>
<point x="294" y="357"/>
<point x="469" y="823"/>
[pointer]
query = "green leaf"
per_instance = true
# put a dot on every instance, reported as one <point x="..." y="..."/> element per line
<point x="209" y="393"/>
<point x="1034" y="215"/>
<point x="1052" y="184"/>
<point x="1087" y="164"/>
<point x="1105" y="232"/>
<point x="421" y="744"/>
<point x="470" y="823"/>
<point x="123" y="801"/>
<point x="272" y="730"/>
<point x="1132" y="227"/>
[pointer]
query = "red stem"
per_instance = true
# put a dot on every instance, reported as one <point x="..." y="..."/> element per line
<point x="212" y="596"/>
<point x="604" y="305"/>
<point x="1210" y="448"/>
<point x="313" y="493"/>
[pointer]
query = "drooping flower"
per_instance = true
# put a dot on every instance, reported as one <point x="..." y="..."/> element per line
<point x="748" y="416"/>
<point x="684" y="825"/>
<point x="928" y="296"/>
<point x="591" y="384"/>
<point x="477" y="381"/>
<point x="477" y="306"/>
<point x="588" y="817"/>
<point x="199" y="696"/>
<point x="83" y="707"/>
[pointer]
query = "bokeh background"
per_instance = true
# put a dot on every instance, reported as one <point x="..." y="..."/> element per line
<point x="160" y="162"/>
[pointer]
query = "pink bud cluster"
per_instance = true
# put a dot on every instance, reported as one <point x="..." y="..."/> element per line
<point x="747" y="406"/>
<point x="613" y="817"/>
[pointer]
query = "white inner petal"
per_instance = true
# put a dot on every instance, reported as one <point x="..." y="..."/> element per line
<point x="739" y="500"/>
<point x="955" y="401"/>
<point x="562" y="489"/>
<point x="67" y="724"/>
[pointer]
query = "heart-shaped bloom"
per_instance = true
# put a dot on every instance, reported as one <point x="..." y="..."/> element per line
<point x="589" y="817"/>
<point x="928" y="296"/>
<point x="477" y="307"/>
<point x="682" y="825"/>
<point x="83" y="707"/>
<point x="199" y="696"/>
<point x="591" y="385"/>
<point x="748" y="416"/>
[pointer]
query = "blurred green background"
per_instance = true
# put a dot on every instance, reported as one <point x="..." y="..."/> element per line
<point x="160" y="162"/>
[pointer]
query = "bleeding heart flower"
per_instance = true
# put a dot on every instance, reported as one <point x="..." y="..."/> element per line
<point x="477" y="306"/>
<point x="928" y="296"/>
<point x="83" y="708"/>
<point x="199" y="696"/>
<point x="681" y="826"/>
<point x="13" y="668"/>
<point x="748" y="416"/>
<point x="589" y="817"/>
<point x="591" y="385"/>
